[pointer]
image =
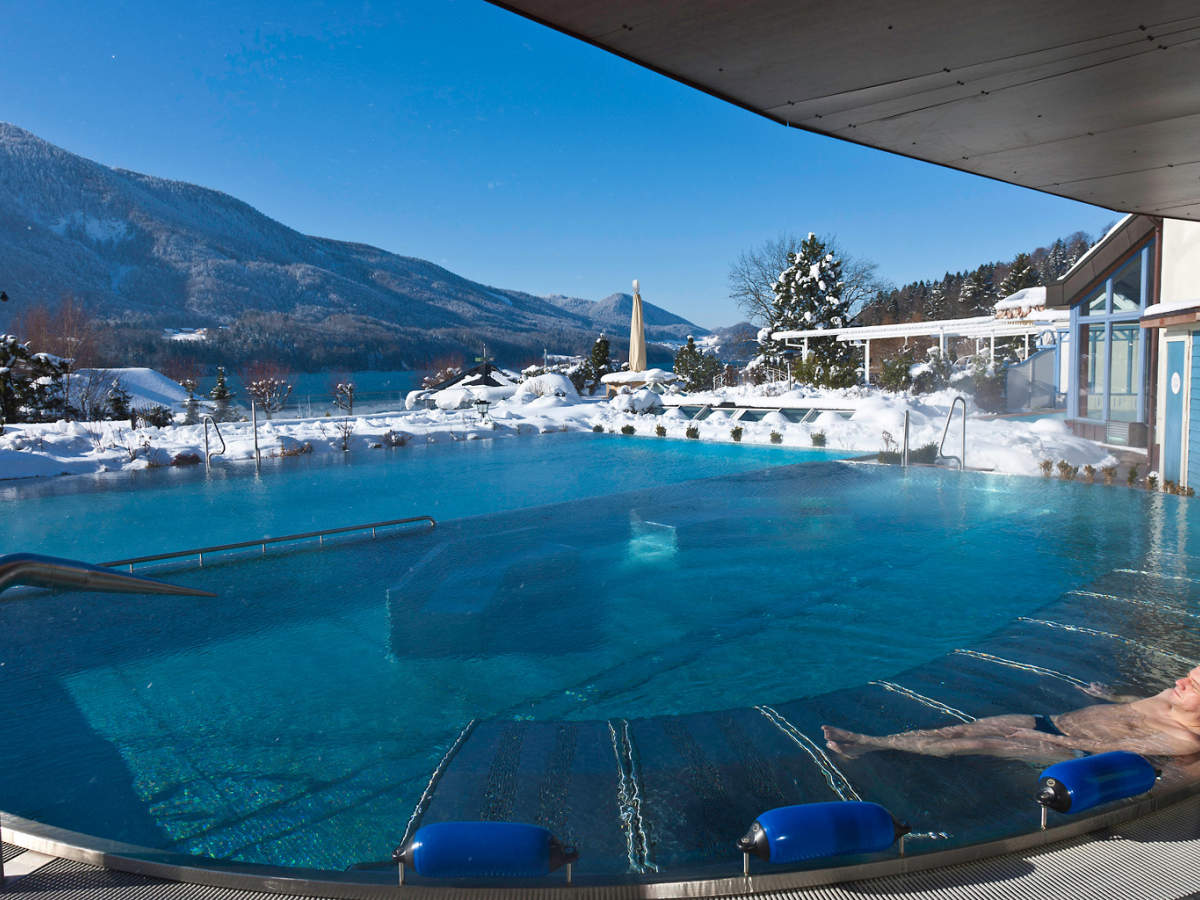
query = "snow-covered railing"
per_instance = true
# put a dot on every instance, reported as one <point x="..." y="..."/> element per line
<point x="262" y="543"/>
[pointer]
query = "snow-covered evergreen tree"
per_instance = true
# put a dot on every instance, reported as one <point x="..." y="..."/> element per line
<point x="935" y="303"/>
<point x="221" y="395"/>
<point x="698" y="370"/>
<point x="1021" y="274"/>
<point x="119" y="401"/>
<point x="31" y="384"/>
<point x="1056" y="261"/>
<point x="808" y="295"/>
<point x="970" y="297"/>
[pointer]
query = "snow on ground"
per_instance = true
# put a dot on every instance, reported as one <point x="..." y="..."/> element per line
<point x="1005" y="445"/>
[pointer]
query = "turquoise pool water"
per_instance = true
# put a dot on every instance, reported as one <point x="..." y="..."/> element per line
<point x="688" y="636"/>
<point x="117" y="516"/>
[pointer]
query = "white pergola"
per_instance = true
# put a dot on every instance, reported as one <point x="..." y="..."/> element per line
<point x="1033" y="324"/>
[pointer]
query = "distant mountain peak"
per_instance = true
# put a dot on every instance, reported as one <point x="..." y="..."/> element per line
<point x="157" y="253"/>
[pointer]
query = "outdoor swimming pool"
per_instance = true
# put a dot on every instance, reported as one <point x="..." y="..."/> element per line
<point x="687" y="638"/>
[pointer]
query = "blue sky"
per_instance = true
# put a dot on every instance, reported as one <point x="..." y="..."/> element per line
<point x="460" y="133"/>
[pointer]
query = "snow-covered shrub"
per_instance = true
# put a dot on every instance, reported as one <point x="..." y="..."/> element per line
<point x="776" y="437"/>
<point x="1110" y="474"/>
<point x="933" y="374"/>
<point x="186" y="458"/>
<point x="818" y="438"/>
<point x="894" y="371"/>
<point x="1047" y="467"/>
<point x="598" y="428"/>
<point x="736" y="433"/>
<point x="550" y="384"/>
<point x="627" y="429"/>
<point x="1089" y="472"/>
<point x="639" y="401"/>
<point x="157" y="416"/>
<point x="1066" y="471"/>
<point x="692" y="432"/>
<point x="984" y="382"/>
<point x="660" y="430"/>
<point x="289" y="446"/>
<point x="393" y="438"/>
<point x="1132" y="475"/>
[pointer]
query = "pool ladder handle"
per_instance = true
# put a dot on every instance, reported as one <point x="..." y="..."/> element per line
<point x="961" y="460"/>
<point x="208" y="456"/>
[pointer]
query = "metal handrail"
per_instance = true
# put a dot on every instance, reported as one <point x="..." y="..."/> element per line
<point x="962" y="460"/>
<point x="263" y="542"/>
<point x="207" y="420"/>
<point x="904" y="454"/>
<point x="35" y="570"/>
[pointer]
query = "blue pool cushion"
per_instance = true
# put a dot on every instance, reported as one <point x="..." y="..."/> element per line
<point x="815" y="830"/>
<point x="1080" y="784"/>
<point x="484" y="850"/>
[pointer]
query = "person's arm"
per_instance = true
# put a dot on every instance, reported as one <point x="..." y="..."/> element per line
<point x="1104" y="692"/>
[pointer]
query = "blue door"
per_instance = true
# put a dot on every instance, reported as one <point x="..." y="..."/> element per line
<point x="1173" y="430"/>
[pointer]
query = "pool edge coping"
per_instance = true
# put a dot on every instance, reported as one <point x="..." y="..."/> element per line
<point x="177" y="867"/>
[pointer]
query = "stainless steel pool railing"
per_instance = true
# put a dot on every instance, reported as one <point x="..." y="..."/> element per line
<point x="209" y="420"/>
<point x="961" y="460"/>
<point x="35" y="570"/>
<point x="200" y="552"/>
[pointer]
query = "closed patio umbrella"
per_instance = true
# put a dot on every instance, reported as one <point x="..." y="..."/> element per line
<point x="637" y="334"/>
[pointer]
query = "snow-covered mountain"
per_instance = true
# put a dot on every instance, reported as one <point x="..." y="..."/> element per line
<point x="166" y="254"/>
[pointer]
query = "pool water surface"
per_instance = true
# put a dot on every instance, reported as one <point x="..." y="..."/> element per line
<point x="689" y="638"/>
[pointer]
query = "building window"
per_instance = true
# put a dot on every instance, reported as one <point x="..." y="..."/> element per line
<point x="1111" y="345"/>
<point x="1124" y="373"/>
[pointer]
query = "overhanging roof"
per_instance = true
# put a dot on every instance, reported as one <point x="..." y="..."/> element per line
<point x="1096" y="100"/>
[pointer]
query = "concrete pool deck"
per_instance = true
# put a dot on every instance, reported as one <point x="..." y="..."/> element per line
<point x="1155" y="856"/>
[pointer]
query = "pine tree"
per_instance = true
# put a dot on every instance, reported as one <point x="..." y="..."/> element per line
<point x="935" y="303"/>
<point x="119" y="400"/>
<point x="597" y="365"/>
<point x="221" y="395"/>
<point x="1056" y="261"/>
<point x="31" y="384"/>
<point x="698" y="370"/>
<point x="808" y="296"/>
<point x="1021" y="274"/>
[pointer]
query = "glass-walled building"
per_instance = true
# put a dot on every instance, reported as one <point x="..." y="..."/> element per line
<point x="1109" y="396"/>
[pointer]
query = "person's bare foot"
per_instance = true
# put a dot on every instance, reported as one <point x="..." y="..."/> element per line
<point x="845" y="743"/>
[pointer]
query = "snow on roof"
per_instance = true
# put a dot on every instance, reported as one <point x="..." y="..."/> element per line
<point x="1096" y="246"/>
<point x="1030" y="296"/>
<point x="146" y="387"/>
<point x="1174" y="306"/>
<point x="648" y="376"/>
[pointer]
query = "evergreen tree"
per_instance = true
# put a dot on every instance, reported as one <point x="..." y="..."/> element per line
<point x="698" y="370"/>
<point x="970" y="296"/>
<point x="1021" y="274"/>
<point x="31" y="384"/>
<point x="1056" y="261"/>
<point x="118" y="401"/>
<point x="935" y="303"/>
<point x="808" y="295"/>
<point x="221" y="395"/>
<point x="596" y="366"/>
<point x="191" y="409"/>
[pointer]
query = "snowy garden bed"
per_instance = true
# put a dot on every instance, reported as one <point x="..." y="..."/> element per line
<point x="871" y="419"/>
